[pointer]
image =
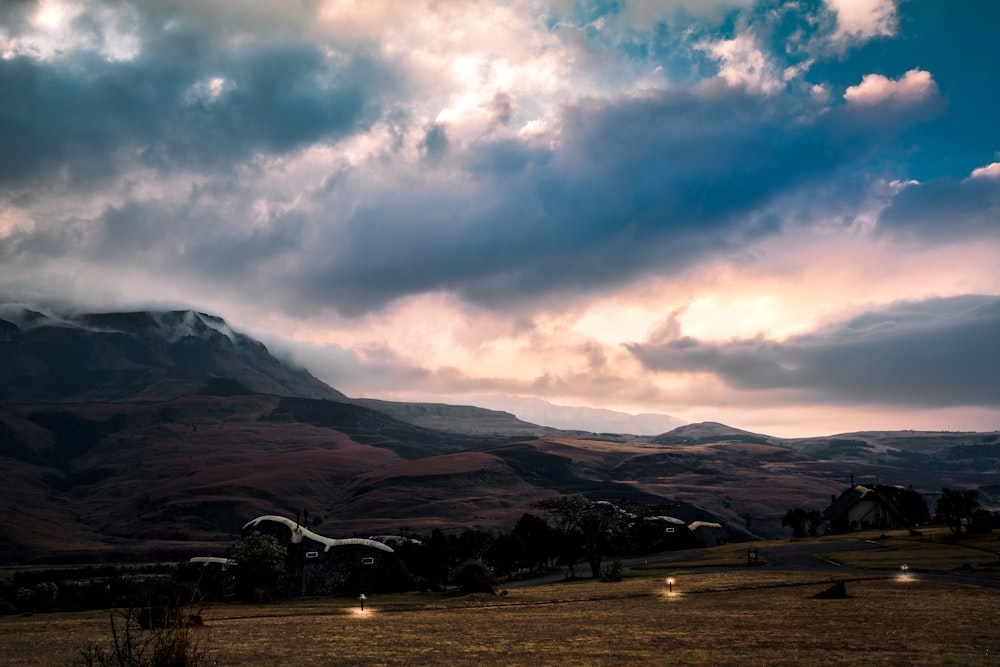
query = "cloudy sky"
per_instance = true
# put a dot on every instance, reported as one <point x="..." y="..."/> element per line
<point x="780" y="215"/>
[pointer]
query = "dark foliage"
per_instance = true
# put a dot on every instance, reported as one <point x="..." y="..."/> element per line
<point x="957" y="508"/>
<point x="473" y="576"/>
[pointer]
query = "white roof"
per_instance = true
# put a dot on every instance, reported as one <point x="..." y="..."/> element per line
<point x="704" y="524"/>
<point x="205" y="560"/>
<point x="298" y="532"/>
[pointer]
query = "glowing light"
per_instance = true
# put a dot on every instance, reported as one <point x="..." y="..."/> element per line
<point x="50" y="15"/>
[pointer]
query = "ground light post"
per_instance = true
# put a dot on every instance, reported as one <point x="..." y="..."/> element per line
<point x="362" y="598"/>
<point x="670" y="585"/>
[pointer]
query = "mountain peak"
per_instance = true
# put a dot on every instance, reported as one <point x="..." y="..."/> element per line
<point x="50" y="356"/>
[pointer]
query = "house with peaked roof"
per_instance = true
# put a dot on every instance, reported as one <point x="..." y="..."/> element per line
<point x="880" y="506"/>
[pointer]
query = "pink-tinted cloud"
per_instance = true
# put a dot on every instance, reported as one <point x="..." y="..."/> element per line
<point x="912" y="88"/>
<point x="861" y="20"/>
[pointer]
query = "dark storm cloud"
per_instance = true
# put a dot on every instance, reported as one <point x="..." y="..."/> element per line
<point x="638" y="184"/>
<point x="938" y="352"/>
<point x="945" y="209"/>
<point x="89" y="117"/>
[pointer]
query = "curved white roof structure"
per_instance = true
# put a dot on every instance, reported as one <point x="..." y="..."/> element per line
<point x="299" y="532"/>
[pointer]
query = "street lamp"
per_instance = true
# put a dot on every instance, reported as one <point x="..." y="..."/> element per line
<point x="362" y="602"/>
<point x="670" y="585"/>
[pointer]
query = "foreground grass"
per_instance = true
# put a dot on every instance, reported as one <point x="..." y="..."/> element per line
<point x="747" y="617"/>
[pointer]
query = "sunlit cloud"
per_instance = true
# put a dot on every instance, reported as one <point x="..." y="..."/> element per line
<point x="861" y="20"/>
<point x="914" y="86"/>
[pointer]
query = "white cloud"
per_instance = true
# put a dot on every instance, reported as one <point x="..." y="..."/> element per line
<point x="915" y="86"/>
<point x="743" y="64"/>
<point x="861" y="20"/>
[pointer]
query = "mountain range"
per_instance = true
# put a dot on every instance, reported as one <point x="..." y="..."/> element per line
<point x="158" y="434"/>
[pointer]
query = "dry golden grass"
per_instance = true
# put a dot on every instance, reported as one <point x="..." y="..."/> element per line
<point x="747" y="617"/>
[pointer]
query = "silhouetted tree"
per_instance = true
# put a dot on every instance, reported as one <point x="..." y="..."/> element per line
<point x="471" y="545"/>
<point x="802" y="521"/>
<point x="957" y="508"/>
<point x="506" y="554"/>
<point x="565" y="513"/>
<point x="913" y="508"/>
<point x="536" y="538"/>
<point x="584" y="526"/>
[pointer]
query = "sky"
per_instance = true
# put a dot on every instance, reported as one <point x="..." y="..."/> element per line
<point x="784" y="216"/>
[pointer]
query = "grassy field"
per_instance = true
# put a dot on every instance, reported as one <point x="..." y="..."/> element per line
<point x="735" y="616"/>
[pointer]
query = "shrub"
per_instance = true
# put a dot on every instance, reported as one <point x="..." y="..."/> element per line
<point x="156" y="634"/>
<point x="38" y="598"/>
<point x="612" y="571"/>
<point x="474" y="577"/>
<point x="166" y="645"/>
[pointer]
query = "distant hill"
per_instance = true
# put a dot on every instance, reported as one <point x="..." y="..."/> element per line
<point x="577" y="418"/>
<point x="457" y="418"/>
<point x="705" y="432"/>
<point x="918" y="450"/>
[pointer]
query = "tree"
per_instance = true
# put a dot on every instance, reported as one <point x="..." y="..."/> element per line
<point x="913" y="508"/>
<point x="565" y="512"/>
<point x="802" y="522"/>
<point x="536" y="536"/>
<point x="506" y="554"/>
<point x="256" y="555"/>
<point x="583" y="526"/>
<point x="957" y="508"/>
<point x="599" y="523"/>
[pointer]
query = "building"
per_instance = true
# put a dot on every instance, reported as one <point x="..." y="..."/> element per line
<point x="879" y="506"/>
<point x="318" y="565"/>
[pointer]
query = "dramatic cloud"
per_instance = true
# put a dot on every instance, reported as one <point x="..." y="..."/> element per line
<point x="934" y="352"/>
<point x="431" y="200"/>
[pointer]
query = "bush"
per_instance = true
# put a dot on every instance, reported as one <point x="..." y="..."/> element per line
<point x="166" y="645"/>
<point x="38" y="598"/>
<point x="156" y="634"/>
<point x="474" y="577"/>
<point x="612" y="571"/>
